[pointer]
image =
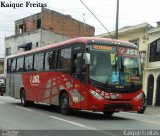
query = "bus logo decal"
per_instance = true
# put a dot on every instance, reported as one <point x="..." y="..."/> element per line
<point x="34" y="80"/>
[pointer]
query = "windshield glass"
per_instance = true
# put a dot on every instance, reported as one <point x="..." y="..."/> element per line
<point x="103" y="64"/>
<point x="130" y="66"/>
<point x="115" y="66"/>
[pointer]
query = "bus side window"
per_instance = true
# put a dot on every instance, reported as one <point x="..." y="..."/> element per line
<point x="29" y="63"/>
<point x="20" y="62"/>
<point x="8" y="66"/>
<point x="38" y="62"/>
<point x="50" y="60"/>
<point x="77" y="62"/>
<point x="13" y="65"/>
<point x="47" y="60"/>
<point x="64" y="58"/>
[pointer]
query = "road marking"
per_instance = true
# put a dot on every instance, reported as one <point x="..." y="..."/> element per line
<point x="71" y="122"/>
<point x="157" y="123"/>
<point x="23" y="108"/>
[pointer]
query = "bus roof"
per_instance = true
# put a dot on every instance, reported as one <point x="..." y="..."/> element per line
<point x="85" y="40"/>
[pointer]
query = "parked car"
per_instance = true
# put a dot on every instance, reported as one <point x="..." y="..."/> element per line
<point x="2" y="84"/>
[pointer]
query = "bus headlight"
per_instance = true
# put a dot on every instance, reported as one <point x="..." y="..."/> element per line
<point x="138" y="97"/>
<point x="96" y="95"/>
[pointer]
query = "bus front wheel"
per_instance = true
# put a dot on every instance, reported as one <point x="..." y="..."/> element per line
<point x="64" y="104"/>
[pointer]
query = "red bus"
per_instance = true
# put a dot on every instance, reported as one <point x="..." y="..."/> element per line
<point x="86" y="73"/>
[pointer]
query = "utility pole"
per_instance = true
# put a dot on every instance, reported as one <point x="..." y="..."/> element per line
<point x="117" y="20"/>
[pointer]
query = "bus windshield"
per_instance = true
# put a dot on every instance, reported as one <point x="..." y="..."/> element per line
<point x="130" y="66"/>
<point x="103" y="64"/>
<point x="115" y="66"/>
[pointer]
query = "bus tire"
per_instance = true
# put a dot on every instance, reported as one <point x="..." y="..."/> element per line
<point x="24" y="102"/>
<point x="108" y="113"/>
<point x="144" y="103"/>
<point x="64" y="104"/>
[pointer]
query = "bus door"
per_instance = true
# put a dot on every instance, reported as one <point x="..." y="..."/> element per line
<point x="78" y="77"/>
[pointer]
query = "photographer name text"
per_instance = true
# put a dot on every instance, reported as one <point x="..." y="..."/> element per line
<point x="4" y="4"/>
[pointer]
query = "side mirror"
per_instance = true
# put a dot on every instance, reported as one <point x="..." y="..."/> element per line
<point x="87" y="57"/>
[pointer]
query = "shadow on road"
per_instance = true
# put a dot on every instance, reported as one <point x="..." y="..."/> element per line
<point x="74" y="113"/>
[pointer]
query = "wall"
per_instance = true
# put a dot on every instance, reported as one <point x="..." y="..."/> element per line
<point x="15" y="41"/>
<point x="140" y="35"/>
<point x="46" y="38"/>
<point x="30" y="23"/>
<point x="154" y="34"/>
<point x="49" y="37"/>
<point x="151" y="68"/>
<point x="65" y="24"/>
<point x="55" y="22"/>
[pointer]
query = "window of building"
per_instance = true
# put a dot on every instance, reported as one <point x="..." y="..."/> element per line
<point x="8" y="51"/>
<point x="36" y="44"/>
<point x="64" y="58"/>
<point x="135" y="41"/>
<point x="158" y="46"/>
<point x="38" y="23"/>
<point x="39" y="62"/>
<point x="28" y="66"/>
<point x="20" y="63"/>
<point x="154" y="51"/>
<point x="21" y="28"/>
<point x="50" y="60"/>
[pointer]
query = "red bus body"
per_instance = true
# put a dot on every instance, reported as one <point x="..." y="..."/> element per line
<point x="47" y="86"/>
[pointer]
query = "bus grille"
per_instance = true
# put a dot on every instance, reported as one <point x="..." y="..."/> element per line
<point x="120" y="106"/>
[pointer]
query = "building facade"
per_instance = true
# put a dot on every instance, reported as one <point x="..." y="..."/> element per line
<point x="152" y="68"/>
<point x="44" y="28"/>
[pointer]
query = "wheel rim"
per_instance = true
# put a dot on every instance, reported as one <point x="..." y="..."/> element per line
<point x="22" y="99"/>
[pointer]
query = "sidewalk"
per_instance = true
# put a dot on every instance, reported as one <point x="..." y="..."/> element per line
<point x="152" y="110"/>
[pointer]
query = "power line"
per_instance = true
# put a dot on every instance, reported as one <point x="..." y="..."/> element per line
<point x="96" y="17"/>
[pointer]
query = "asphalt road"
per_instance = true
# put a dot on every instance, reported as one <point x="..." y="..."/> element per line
<point x="42" y="120"/>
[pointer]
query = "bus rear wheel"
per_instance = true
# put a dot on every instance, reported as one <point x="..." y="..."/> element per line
<point x="24" y="102"/>
<point x="64" y="104"/>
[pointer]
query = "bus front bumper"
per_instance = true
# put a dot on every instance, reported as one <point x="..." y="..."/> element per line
<point x="116" y="106"/>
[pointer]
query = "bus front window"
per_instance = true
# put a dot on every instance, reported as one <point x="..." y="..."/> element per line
<point x="130" y="67"/>
<point x="115" y="67"/>
<point x="103" y="64"/>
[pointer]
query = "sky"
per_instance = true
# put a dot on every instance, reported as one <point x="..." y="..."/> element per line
<point x="131" y="12"/>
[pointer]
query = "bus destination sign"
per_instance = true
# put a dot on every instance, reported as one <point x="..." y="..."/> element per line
<point x="102" y="47"/>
